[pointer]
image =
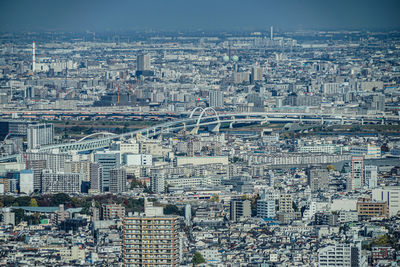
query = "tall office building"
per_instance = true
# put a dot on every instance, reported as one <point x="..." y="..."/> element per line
<point x="40" y="134"/>
<point x="341" y="255"/>
<point x="150" y="238"/>
<point x="108" y="160"/>
<point x="118" y="180"/>
<point x="318" y="179"/>
<point x="370" y="176"/>
<point x="216" y="99"/>
<point x="143" y="62"/>
<point x="240" y="209"/>
<point x="357" y="172"/>
<point x="157" y="182"/>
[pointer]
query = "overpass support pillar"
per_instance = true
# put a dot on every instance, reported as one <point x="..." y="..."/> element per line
<point x="265" y="121"/>
<point x="195" y="130"/>
<point x="216" y="128"/>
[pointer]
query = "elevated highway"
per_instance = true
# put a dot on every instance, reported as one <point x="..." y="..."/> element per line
<point x="208" y="117"/>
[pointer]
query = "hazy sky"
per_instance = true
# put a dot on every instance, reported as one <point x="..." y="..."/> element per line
<point x="115" y="15"/>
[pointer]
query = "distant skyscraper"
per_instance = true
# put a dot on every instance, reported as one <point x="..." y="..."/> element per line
<point x="30" y="92"/>
<point x="40" y="134"/>
<point x="118" y="180"/>
<point x="272" y="32"/>
<point x="216" y="99"/>
<point x="256" y="74"/>
<point x="357" y="172"/>
<point x="143" y="62"/>
<point x="108" y="160"/>
<point x="33" y="56"/>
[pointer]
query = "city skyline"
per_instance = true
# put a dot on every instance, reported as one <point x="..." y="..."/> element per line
<point x="122" y="15"/>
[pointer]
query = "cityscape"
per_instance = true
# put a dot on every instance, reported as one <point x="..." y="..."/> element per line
<point x="262" y="145"/>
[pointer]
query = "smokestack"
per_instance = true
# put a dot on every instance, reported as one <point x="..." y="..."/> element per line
<point x="272" y="32"/>
<point x="33" y="57"/>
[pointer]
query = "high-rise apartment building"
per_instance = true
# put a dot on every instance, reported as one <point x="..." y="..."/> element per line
<point x="157" y="182"/>
<point x="266" y="205"/>
<point x="26" y="181"/>
<point x="216" y="98"/>
<point x="118" y="180"/>
<point x="286" y="203"/>
<point x="240" y="209"/>
<point x="150" y="239"/>
<point x="40" y="134"/>
<point x="59" y="182"/>
<point x="112" y="211"/>
<point x="96" y="176"/>
<point x="318" y="179"/>
<point x="357" y="172"/>
<point x="348" y="255"/>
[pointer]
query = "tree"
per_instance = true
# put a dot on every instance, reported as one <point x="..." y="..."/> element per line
<point x="33" y="203"/>
<point x="331" y="168"/>
<point x="8" y="201"/>
<point x="198" y="258"/>
<point x="19" y="215"/>
<point x="172" y="209"/>
<point x="294" y="206"/>
<point x="214" y="198"/>
<point x="60" y="198"/>
<point x="23" y="201"/>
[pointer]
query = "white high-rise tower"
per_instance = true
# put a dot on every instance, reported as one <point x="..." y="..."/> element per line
<point x="33" y="57"/>
<point x="272" y="32"/>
